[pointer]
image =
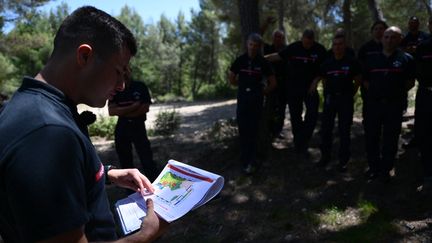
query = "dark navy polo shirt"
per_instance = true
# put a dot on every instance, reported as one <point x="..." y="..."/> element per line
<point x="303" y="64"/>
<point x="135" y="92"/>
<point x="388" y="76"/>
<point x="51" y="179"/>
<point x="251" y="74"/>
<point x="339" y="75"/>
<point x="368" y="49"/>
<point x="424" y="63"/>
<point x="414" y="40"/>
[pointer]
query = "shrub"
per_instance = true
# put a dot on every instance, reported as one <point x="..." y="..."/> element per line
<point x="166" y="123"/>
<point x="103" y="127"/>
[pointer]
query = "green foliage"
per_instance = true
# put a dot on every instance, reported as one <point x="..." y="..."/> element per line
<point x="103" y="127"/>
<point x="7" y="69"/>
<point x="166" y="123"/>
<point x="366" y="209"/>
<point x="331" y="216"/>
<point x="215" y="91"/>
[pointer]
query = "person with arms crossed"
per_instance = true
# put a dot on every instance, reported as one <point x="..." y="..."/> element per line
<point x="131" y="106"/>
<point x="53" y="182"/>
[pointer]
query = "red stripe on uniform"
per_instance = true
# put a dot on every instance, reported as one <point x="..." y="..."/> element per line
<point x="190" y="174"/>
<point x="250" y="71"/>
<point x="391" y="70"/>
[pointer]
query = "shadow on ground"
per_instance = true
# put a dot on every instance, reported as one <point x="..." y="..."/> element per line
<point x="289" y="199"/>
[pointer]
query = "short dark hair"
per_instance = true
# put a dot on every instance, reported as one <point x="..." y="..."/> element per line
<point x="308" y="33"/>
<point x="255" y="37"/>
<point x="379" y="22"/>
<point x="88" y="24"/>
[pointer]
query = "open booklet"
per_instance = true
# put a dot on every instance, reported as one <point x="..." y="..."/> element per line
<point x="179" y="188"/>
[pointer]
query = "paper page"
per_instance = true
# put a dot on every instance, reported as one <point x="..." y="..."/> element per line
<point x="131" y="214"/>
<point x="178" y="189"/>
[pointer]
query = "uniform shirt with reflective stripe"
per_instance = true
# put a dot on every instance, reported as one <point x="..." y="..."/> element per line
<point x="303" y="64"/>
<point x="339" y="75"/>
<point x="51" y="177"/>
<point x="251" y="73"/>
<point x="388" y="76"/>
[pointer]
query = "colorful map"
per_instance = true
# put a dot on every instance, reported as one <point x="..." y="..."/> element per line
<point x="173" y="182"/>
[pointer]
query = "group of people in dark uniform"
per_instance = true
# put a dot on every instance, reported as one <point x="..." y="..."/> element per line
<point x="384" y="69"/>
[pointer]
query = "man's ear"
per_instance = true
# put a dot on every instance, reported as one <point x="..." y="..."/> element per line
<point x="83" y="54"/>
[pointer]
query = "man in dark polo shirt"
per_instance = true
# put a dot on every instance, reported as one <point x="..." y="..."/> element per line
<point x="414" y="36"/>
<point x="52" y="186"/>
<point x="387" y="78"/>
<point x="338" y="73"/>
<point x="423" y="109"/>
<point x="248" y="73"/>
<point x="131" y="106"/>
<point x="304" y="58"/>
<point x="369" y="49"/>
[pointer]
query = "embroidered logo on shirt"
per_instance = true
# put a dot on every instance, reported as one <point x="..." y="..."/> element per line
<point x="397" y="64"/>
<point x="100" y="173"/>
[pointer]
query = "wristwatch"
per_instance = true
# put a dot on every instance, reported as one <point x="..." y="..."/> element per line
<point x="106" y="169"/>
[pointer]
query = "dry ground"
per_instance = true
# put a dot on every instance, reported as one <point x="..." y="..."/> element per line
<point x="289" y="199"/>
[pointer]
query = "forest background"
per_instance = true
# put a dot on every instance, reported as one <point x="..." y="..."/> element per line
<point x="188" y="60"/>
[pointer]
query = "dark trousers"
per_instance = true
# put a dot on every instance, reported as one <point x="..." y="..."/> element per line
<point x="423" y="128"/>
<point x="343" y="107"/>
<point x="303" y="129"/>
<point x="249" y="110"/>
<point x="128" y="133"/>
<point x="275" y="106"/>
<point x="383" y="126"/>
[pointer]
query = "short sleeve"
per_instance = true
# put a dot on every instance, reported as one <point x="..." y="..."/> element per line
<point x="45" y="183"/>
<point x="235" y="66"/>
<point x="145" y="98"/>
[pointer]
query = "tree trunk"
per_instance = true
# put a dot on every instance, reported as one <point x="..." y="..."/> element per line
<point x="428" y="7"/>
<point x="375" y="10"/>
<point x="249" y="17"/>
<point x="281" y="11"/>
<point x="347" y="21"/>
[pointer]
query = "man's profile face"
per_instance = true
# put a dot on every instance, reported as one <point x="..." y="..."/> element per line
<point x="105" y="77"/>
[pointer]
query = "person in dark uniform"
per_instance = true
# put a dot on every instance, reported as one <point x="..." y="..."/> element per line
<point x="248" y="72"/>
<point x="348" y="51"/>
<point x="131" y="106"/>
<point x="304" y="58"/>
<point x="278" y="97"/>
<point x="52" y="181"/>
<point x="423" y="109"/>
<point x="369" y="49"/>
<point x="414" y="36"/>
<point x="387" y="78"/>
<point x="338" y="74"/>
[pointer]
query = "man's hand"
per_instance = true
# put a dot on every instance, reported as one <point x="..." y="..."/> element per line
<point x="152" y="226"/>
<point x="131" y="179"/>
